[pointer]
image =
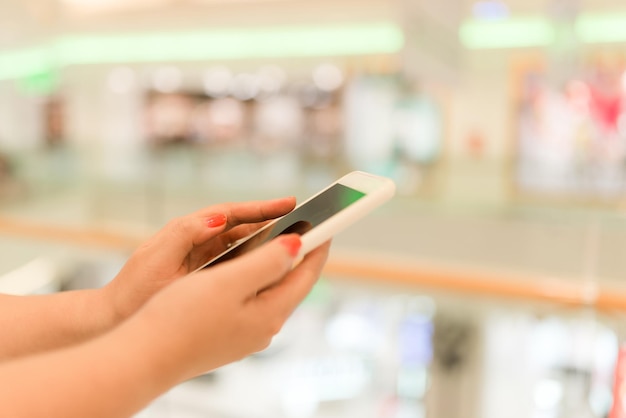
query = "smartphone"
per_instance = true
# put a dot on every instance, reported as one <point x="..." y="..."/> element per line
<point x="321" y="216"/>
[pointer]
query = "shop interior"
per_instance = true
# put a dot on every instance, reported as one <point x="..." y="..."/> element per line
<point x="491" y="286"/>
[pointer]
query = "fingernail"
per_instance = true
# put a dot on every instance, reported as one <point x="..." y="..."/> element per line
<point x="292" y="243"/>
<point x="216" y="220"/>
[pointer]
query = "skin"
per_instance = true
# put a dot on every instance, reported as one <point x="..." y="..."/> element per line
<point x="108" y="352"/>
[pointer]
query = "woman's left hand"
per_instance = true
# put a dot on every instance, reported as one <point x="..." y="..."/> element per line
<point x="183" y="245"/>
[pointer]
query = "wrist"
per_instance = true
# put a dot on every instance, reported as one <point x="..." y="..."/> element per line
<point x="110" y="316"/>
<point x="114" y="375"/>
<point x="163" y="354"/>
<point x="117" y="301"/>
<point x="101" y="314"/>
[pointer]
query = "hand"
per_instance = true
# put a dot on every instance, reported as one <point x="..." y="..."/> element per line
<point x="182" y="246"/>
<point x="221" y="314"/>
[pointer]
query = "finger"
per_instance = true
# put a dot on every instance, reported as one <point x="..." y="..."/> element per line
<point x="284" y="297"/>
<point x="252" y="212"/>
<point x="181" y="235"/>
<point x="204" y="252"/>
<point x="239" y="232"/>
<point x="261" y="267"/>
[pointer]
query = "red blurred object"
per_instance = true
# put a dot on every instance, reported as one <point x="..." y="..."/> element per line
<point x="619" y="386"/>
<point x="607" y="108"/>
<point x="476" y="144"/>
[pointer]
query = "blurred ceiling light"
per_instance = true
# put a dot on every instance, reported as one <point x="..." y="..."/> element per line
<point x="167" y="79"/>
<point x="271" y="79"/>
<point x="327" y="77"/>
<point x="26" y="62"/>
<point x="518" y="32"/>
<point x="352" y="39"/>
<point x="204" y="45"/>
<point x="602" y="28"/>
<point x="244" y="87"/>
<point x="121" y="80"/>
<point x="217" y="81"/>
<point x="490" y="9"/>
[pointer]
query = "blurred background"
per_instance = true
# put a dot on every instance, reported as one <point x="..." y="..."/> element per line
<point x="491" y="286"/>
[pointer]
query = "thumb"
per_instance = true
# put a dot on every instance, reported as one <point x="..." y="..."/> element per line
<point x="262" y="267"/>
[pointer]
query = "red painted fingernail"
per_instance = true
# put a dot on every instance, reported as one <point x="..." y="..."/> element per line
<point x="216" y="220"/>
<point x="293" y="244"/>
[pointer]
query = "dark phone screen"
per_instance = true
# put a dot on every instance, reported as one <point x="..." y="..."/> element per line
<point x="300" y="220"/>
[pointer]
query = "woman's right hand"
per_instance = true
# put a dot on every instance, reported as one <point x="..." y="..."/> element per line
<point x="196" y="324"/>
<point x="224" y="313"/>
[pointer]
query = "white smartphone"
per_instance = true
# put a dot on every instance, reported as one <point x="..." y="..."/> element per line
<point x="321" y="216"/>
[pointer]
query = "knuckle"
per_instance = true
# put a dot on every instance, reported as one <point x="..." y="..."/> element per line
<point x="274" y="327"/>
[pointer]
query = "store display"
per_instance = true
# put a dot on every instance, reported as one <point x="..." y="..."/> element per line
<point x="391" y="129"/>
<point x="572" y="138"/>
<point x="564" y="365"/>
<point x="168" y="117"/>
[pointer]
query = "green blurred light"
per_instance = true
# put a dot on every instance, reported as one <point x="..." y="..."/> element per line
<point x="355" y="39"/>
<point x="24" y="62"/>
<point x="40" y="84"/>
<point x="234" y="44"/>
<point x="507" y="33"/>
<point x="600" y="28"/>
